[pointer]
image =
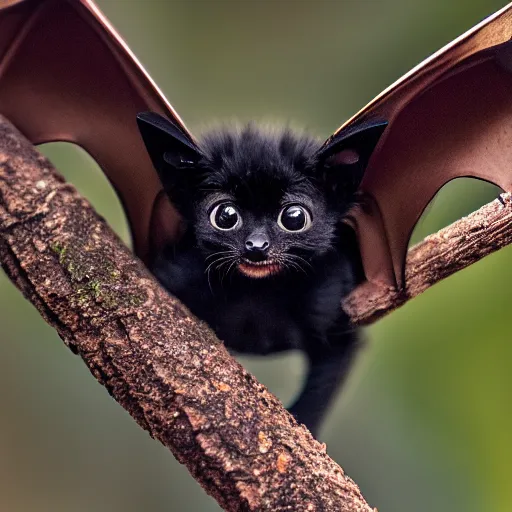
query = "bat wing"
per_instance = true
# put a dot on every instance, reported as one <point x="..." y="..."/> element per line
<point x="66" y="75"/>
<point x="451" y="116"/>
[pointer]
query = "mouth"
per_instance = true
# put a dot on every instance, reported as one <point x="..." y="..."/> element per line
<point x="258" y="269"/>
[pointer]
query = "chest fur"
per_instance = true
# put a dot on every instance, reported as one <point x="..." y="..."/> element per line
<point x="262" y="316"/>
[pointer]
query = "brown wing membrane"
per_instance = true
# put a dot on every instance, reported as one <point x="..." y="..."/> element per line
<point x="65" y="75"/>
<point x="449" y="117"/>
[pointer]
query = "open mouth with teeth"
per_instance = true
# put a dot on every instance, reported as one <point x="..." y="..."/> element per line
<point x="258" y="269"/>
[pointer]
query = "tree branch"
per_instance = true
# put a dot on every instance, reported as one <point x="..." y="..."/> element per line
<point x="438" y="256"/>
<point x="165" y="367"/>
<point x="162" y="365"/>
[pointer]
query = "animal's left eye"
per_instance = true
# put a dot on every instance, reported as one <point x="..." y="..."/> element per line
<point x="294" y="218"/>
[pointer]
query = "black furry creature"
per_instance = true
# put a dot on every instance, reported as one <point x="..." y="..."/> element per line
<point x="266" y="257"/>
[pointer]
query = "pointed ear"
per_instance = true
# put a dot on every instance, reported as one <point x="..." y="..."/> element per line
<point x="343" y="158"/>
<point x="174" y="156"/>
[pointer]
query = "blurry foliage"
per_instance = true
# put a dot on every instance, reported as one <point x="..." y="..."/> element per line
<point x="424" y="422"/>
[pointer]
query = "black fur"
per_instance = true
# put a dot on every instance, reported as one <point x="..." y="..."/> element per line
<point x="296" y="306"/>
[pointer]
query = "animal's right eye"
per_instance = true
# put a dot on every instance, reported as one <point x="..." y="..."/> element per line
<point x="225" y="217"/>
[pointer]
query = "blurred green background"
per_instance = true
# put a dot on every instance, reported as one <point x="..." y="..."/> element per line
<point x="424" y="422"/>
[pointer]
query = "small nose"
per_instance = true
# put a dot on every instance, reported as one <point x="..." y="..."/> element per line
<point x="257" y="242"/>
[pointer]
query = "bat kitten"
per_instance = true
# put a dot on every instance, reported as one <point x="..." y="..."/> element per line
<point x="266" y="257"/>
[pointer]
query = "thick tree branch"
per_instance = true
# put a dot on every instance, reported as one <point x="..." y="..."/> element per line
<point x="438" y="256"/>
<point x="163" y="366"/>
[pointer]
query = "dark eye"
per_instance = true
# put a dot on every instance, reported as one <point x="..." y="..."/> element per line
<point x="225" y="217"/>
<point x="294" y="218"/>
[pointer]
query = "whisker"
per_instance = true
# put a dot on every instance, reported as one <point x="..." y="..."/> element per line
<point x="225" y="273"/>
<point x="219" y="253"/>
<point x="209" y="282"/>
<point x="296" y="266"/>
<point x="300" y="258"/>
<point x="235" y="261"/>
<point x="222" y="262"/>
<point x="288" y="261"/>
<point x="218" y="260"/>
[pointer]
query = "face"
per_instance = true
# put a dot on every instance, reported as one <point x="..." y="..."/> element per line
<point x="263" y="234"/>
<point x="261" y="207"/>
<point x="261" y="204"/>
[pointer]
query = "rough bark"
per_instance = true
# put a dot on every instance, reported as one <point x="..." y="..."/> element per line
<point x="162" y="365"/>
<point x="438" y="256"/>
<point x="167" y="368"/>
